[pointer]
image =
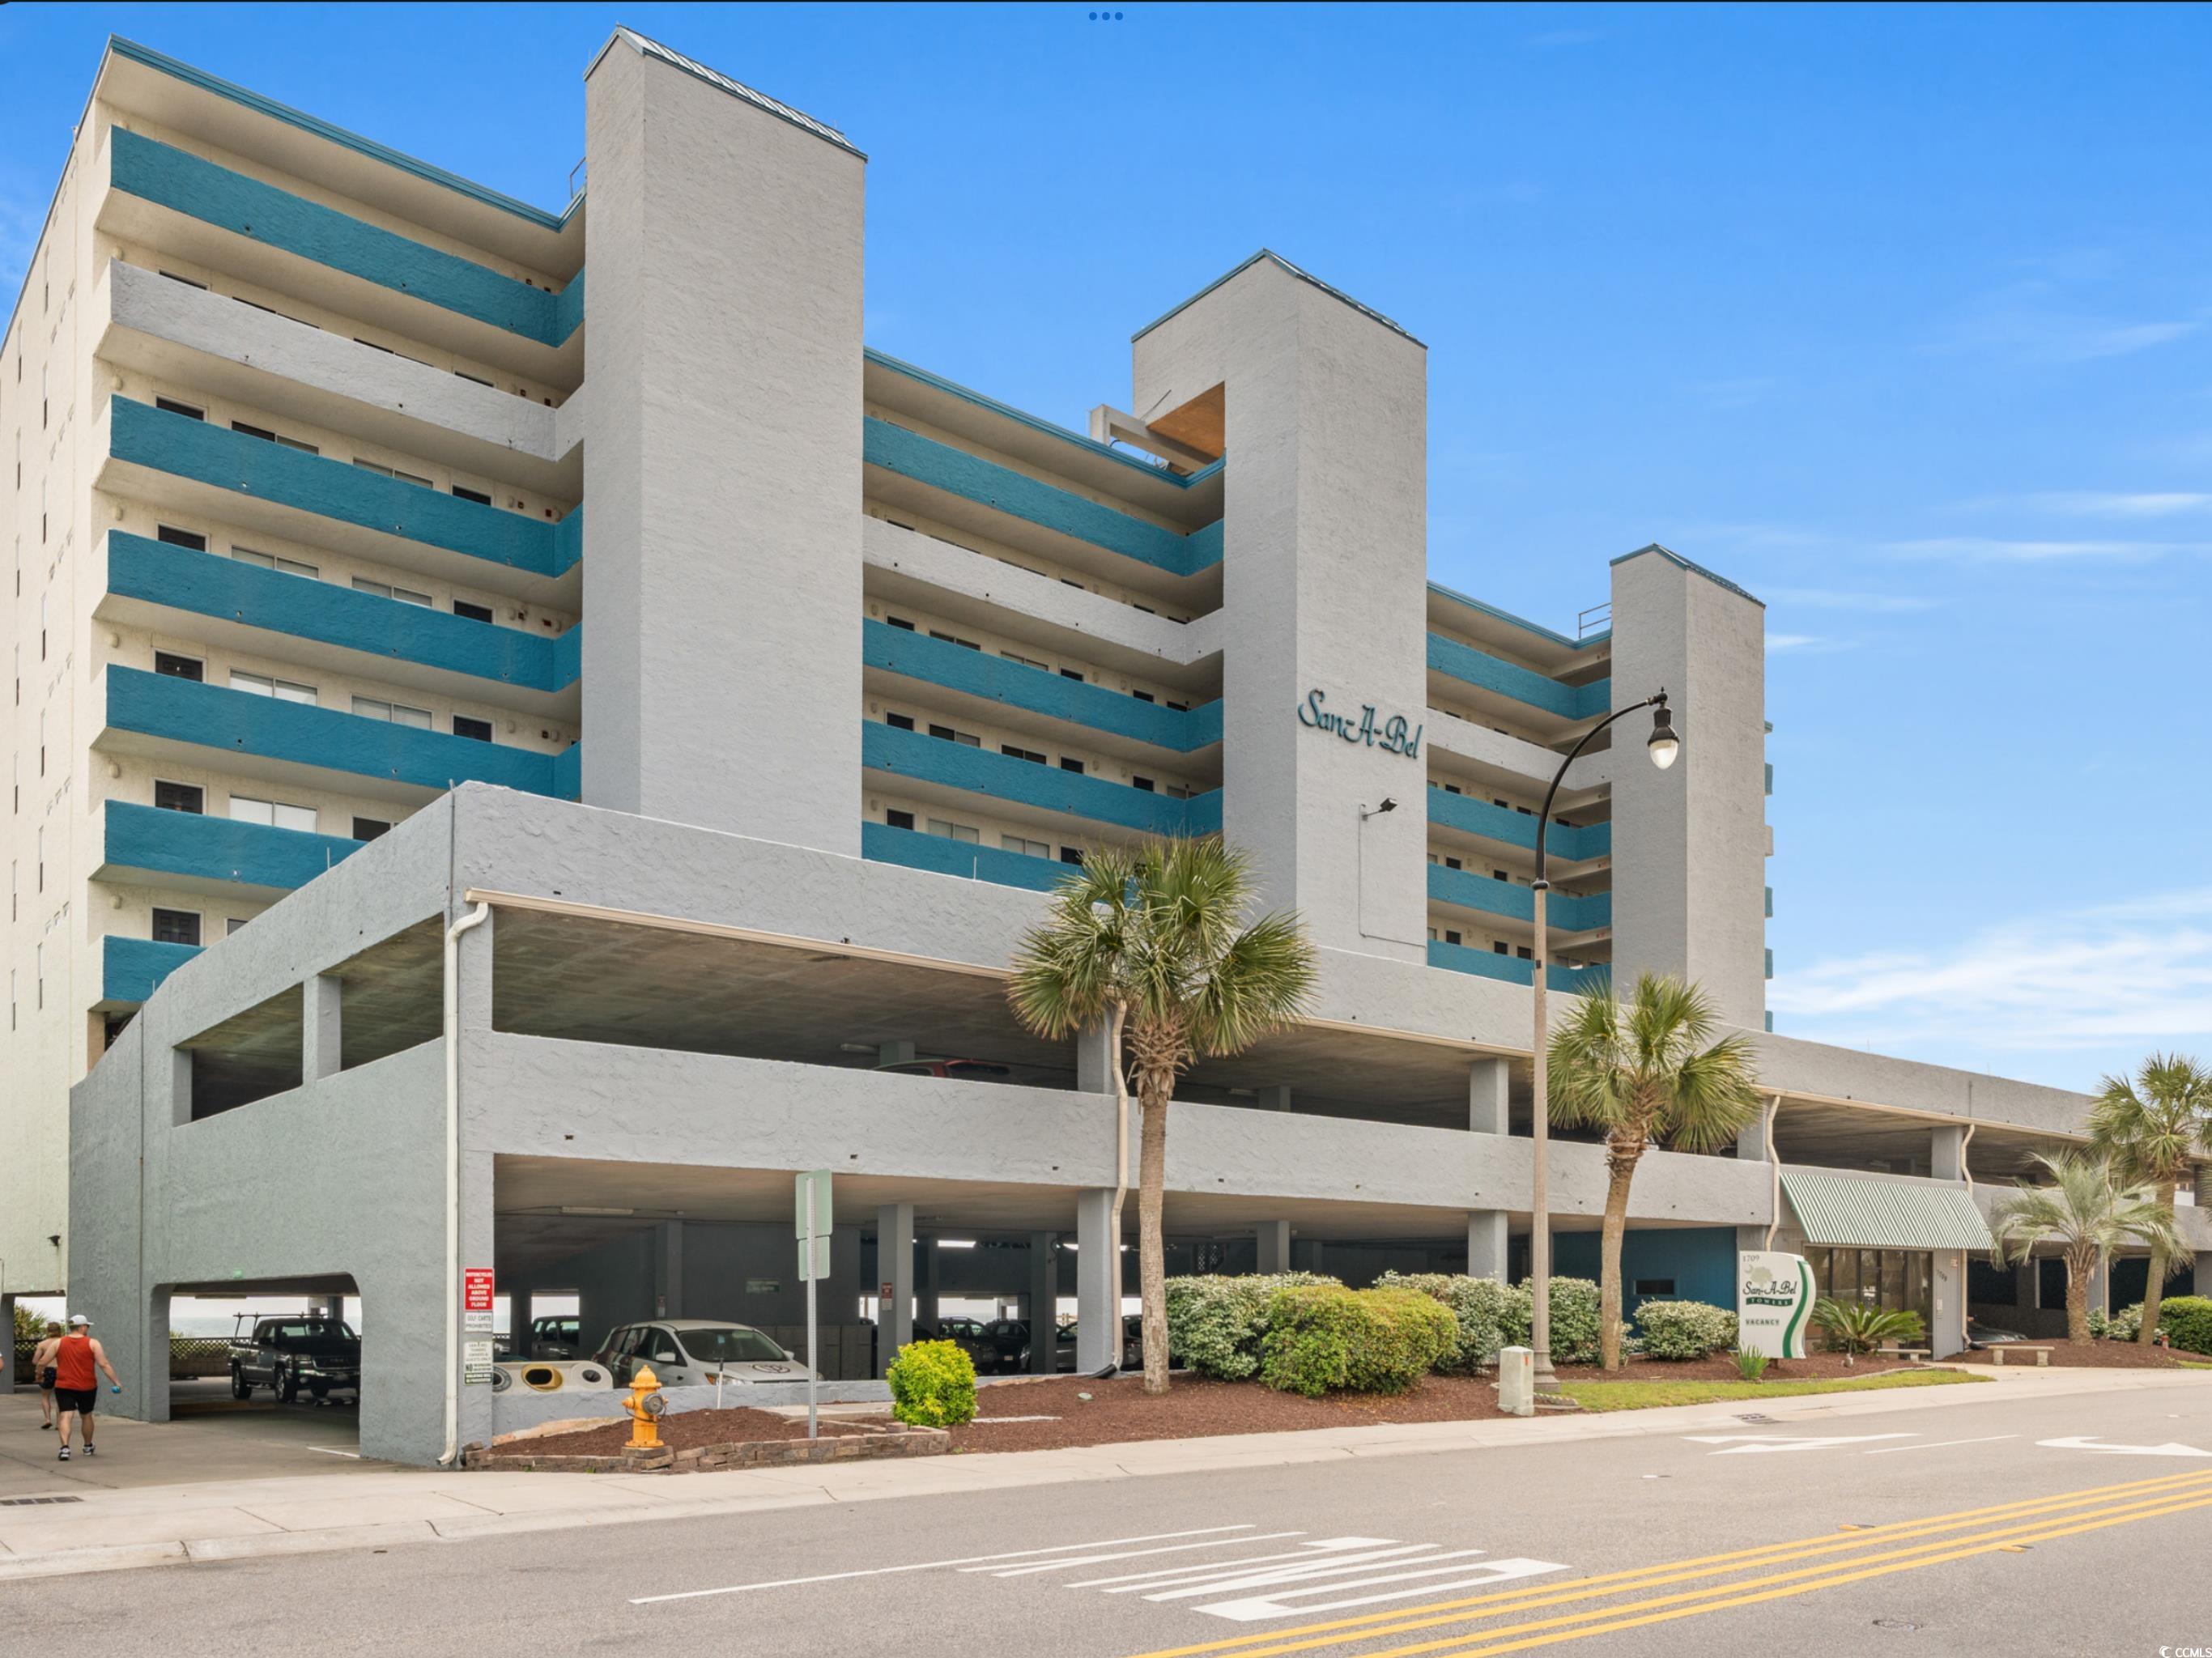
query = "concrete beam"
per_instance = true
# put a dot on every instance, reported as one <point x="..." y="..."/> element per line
<point x="320" y="1028"/>
<point x="895" y="1285"/>
<point x="1097" y="1283"/>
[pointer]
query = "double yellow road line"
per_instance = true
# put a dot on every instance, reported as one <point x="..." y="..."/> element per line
<point x="1847" y="1557"/>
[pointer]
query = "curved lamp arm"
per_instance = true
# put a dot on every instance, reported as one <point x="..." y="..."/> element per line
<point x="1657" y="699"/>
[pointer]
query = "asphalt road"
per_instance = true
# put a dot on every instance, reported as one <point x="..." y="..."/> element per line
<point x="1953" y="1531"/>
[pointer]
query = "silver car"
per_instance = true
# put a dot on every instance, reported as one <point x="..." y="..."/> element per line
<point x="690" y="1352"/>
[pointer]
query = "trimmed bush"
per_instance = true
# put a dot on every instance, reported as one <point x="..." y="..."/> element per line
<point x="1216" y="1323"/>
<point x="1681" y="1330"/>
<point x="932" y="1384"/>
<point x="1483" y="1307"/>
<point x="1574" y="1320"/>
<point x="2122" y="1325"/>
<point x="2187" y="1321"/>
<point x="1324" y="1337"/>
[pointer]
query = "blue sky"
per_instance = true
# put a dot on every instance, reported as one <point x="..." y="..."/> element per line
<point x="1898" y="318"/>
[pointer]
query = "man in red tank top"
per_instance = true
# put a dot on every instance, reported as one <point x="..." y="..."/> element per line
<point x="76" y="1389"/>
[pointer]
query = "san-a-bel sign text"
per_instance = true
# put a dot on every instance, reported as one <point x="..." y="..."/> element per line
<point x="1395" y="735"/>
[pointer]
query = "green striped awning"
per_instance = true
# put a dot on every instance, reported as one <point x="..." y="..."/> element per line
<point x="1839" y="1212"/>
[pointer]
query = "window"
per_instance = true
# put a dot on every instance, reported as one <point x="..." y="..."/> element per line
<point x="1069" y="763"/>
<point x="176" y="537"/>
<point x="1027" y="848"/>
<point x="386" y="590"/>
<point x="904" y="722"/>
<point x="271" y="561"/>
<point x="176" y="927"/>
<point x="469" y="610"/>
<point x="896" y="819"/>
<point x="1525" y="953"/>
<point x="477" y="730"/>
<point x="397" y="713"/>
<point x="1499" y="875"/>
<point x="1029" y="754"/>
<point x="370" y="829"/>
<point x="900" y="623"/>
<point x="966" y="739"/>
<point x="954" y="639"/>
<point x="382" y="470"/>
<point x="235" y="922"/>
<point x="1178" y="791"/>
<point x="1071" y="854"/>
<point x="172" y="406"/>
<point x="285" y="691"/>
<point x="1655" y="1287"/>
<point x="1143" y="783"/>
<point x="1027" y="662"/>
<point x="271" y="814"/>
<point x="1450" y="937"/>
<point x="1180" y="707"/>
<point x="241" y="427"/>
<point x="180" y="796"/>
<point x="466" y="494"/>
<point x="1453" y="788"/>
<point x="474" y="379"/>
<point x="177" y="667"/>
<point x="1499" y="947"/>
<point x="1144" y="697"/>
<point x="1076" y="674"/>
<point x="954" y="831"/>
<point x="187" y="281"/>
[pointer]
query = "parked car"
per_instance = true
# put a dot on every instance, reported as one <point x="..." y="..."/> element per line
<point x="1979" y="1334"/>
<point x="321" y="1355"/>
<point x="556" y="1339"/>
<point x="972" y="1071"/>
<point x="688" y="1353"/>
<point x="972" y="1337"/>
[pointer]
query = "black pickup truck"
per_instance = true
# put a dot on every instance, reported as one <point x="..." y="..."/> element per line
<point x="320" y="1355"/>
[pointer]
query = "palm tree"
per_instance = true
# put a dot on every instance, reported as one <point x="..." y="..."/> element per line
<point x="1158" y="946"/>
<point x="2152" y="1129"/>
<point x="1649" y="1072"/>
<point x="2087" y="1212"/>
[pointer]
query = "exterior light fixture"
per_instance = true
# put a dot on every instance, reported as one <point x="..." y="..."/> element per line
<point x="1663" y="744"/>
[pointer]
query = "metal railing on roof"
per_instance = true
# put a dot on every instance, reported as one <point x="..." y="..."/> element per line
<point x="1595" y="620"/>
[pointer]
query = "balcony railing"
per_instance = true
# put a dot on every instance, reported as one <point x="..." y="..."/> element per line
<point x="1002" y="777"/>
<point x="1509" y="679"/>
<point x="139" y="839"/>
<point x="131" y="968"/>
<point x="1512" y="970"/>
<point x="1516" y="828"/>
<point x="944" y="856"/>
<point x="1566" y="911"/>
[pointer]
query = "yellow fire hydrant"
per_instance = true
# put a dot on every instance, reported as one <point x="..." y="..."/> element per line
<point x="644" y="1408"/>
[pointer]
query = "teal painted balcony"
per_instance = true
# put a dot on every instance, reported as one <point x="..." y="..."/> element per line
<point x="225" y="589"/>
<point x="1516" y="828"/>
<point x="1037" y="691"/>
<point x="1565" y="912"/>
<point x="131" y="969"/>
<point x="1511" y="969"/>
<point x="180" y="447"/>
<point x="200" y="189"/>
<point x="155" y="707"/>
<point x="943" y="856"/>
<point x="1023" y="782"/>
<point x="1487" y="672"/>
<point x="941" y="466"/>
<point x="141" y="842"/>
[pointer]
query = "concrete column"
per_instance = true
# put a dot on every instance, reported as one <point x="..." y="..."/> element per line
<point x="1276" y="1096"/>
<point x="319" y="1030"/>
<point x="925" y="1297"/>
<point x="2203" y="1284"/>
<point x="8" y="1323"/>
<point x="668" y="1269"/>
<point x="2101" y="1285"/>
<point x="1274" y="1239"/>
<point x="1094" y="1062"/>
<point x="1486" y="1243"/>
<point x="1043" y="1299"/>
<point x="1947" y="1151"/>
<point x="722" y="445"/>
<point x="1949" y="1333"/>
<point x="1689" y="844"/>
<point x="1486" y="1100"/>
<point x="1325" y="571"/>
<point x="1097" y="1281"/>
<point x="898" y="1053"/>
<point x="173" y="1067"/>
<point x="895" y="1274"/>
<point x="2027" y="1284"/>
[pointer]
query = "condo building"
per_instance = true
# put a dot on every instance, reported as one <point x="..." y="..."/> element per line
<point x="507" y="771"/>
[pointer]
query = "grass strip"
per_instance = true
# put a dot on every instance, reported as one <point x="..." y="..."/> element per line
<point x="1650" y="1395"/>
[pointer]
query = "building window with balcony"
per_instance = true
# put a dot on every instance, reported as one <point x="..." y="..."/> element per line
<point x="1027" y="848"/>
<point x="382" y="470"/>
<point x="954" y="639"/>
<point x="468" y="611"/>
<point x="476" y="731"/>
<point x="170" y="405"/>
<point x="267" y="436"/>
<point x="397" y="713"/>
<point x="894" y="818"/>
<point x="899" y="722"/>
<point x="180" y="796"/>
<point x="271" y="561"/>
<point x="285" y="691"/>
<point x="1027" y="662"/>
<point x="176" y="927"/>
<point x="966" y="739"/>
<point x="386" y="590"/>
<point x="370" y="829"/>
<point x="900" y="624"/>
<point x="173" y="666"/>
<point x="1145" y="784"/>
<point x="966" y="832"/>
<point x="1029" y="754"/>
<point x="1070" y="855"/>
<point x="463" y="492"/>
<point x="271" y="814"/>
<point x="1069" y="763"/>
<point x="192" y="539"/>
<point x="235" y="922"/>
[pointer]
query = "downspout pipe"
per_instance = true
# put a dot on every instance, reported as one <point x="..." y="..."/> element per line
<point x="1774" y="1182"/>
<point x="475" y="918"/>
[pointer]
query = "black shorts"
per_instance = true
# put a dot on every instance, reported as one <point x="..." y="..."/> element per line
<point x="80" y="1399"/>
<point x="46" y="1378"/>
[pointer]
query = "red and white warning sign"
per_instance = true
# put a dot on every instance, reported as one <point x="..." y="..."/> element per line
<point x="476" y="1289"/>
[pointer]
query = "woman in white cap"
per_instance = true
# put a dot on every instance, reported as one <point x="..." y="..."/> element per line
<point x="76" y="1389"/>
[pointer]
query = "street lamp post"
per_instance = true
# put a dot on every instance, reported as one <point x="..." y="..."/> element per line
<point x="1663" y="746"/>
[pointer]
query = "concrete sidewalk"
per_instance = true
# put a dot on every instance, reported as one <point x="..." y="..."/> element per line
<point x="365" y="1506"/>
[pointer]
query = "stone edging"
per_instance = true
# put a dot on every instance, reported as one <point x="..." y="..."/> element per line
<point x="847" y="1446"/>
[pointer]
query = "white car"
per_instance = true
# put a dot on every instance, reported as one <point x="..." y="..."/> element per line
<point x="690" y="1352"/>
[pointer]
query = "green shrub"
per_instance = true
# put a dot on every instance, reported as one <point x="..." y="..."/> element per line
<point x="1216" y="1323"/>
<point x="932" y="1384"/>
<point x="2122" y="1325"/>
<point x="1574" y="1320"/>
<point x="1751" y="1364"/>
<point x="2187" y="1321"/>
<point x="1853" y="1326"/>
<point x="1322" y="1337"/>
<point x="1685" y="1329"/>
<point x="1482" y="1305"/>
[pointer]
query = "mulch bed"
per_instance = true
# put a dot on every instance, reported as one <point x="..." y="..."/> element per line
<point x="685" y="1430"/>
<point x="2089" y="1355"/>
<point x="1119" y="1411"/>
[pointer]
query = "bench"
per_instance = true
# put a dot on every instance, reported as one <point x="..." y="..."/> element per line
<point x="1998" y="1349"/>
<point x="1919" y="1355"/>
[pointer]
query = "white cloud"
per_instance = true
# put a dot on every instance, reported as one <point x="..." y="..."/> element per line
<point x="2021" y="322"/>
<point x="2089" y="503"/>
<point x="1985" y="549"/>
<point x="1806" y="644"/>
<point x="1833" y="598"/>
<point x="2136" y="975"/>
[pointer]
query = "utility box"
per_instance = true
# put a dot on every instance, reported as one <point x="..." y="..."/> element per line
<point x="1517" y="1382"/>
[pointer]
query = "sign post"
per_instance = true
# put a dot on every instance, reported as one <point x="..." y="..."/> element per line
<point x="812" y="1215"/>
<point x="1773" y="1296"/>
